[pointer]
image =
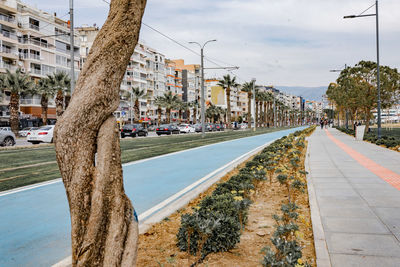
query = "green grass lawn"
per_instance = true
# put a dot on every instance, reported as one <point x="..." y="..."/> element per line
<point x="25" y="166"/>
<point x="395" y="132"/>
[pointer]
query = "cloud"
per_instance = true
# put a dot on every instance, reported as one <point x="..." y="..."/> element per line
<point x="280" y="42"/>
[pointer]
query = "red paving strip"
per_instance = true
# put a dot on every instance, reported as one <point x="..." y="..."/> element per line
<point x="389" y="176"/>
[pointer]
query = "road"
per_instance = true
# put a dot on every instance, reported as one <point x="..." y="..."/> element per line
<point x="21" y="141"/>
<point x="35" y="224"/>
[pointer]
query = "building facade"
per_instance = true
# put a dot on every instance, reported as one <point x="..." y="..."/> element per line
<point x="37" y="43"/>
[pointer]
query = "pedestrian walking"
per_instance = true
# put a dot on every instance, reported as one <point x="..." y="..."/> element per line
<point x="322" y="124"/>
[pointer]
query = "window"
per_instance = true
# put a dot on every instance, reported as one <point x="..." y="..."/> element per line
<point x="61" y="60"/>
<point x="33" y="24"/>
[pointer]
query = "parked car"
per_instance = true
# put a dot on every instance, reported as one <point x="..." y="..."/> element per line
<point x="186" y="128"/>
<point x="7" y="138"/>
<point x="133" y="130"/>
<point x="42" y="135"/>
<point x="167" y="129"/>
<point x="152" y="128"/>
<point x="197" y="128"/>
<point x="210" y="127"/>
<point x="219" y="127"/>
<point x="24" y="132"/>
<point x="7" y="129"/>
<point x="243" y="126"/>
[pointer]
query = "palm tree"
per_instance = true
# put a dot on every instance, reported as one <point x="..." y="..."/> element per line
<point x="169" y="101"/>
<point x="19" y="84"/>
<point x="45" y="91"/>
<point x="158" y="101"/>
<point x="248" y="88"/>
<point x="181" y="107"/>
<point x="227" y="83"/>
<point x="268" y="98"/>
<point x="61" y="83"/>
<point x="195" y="106"/>
<point x="214" y="113"/>
<point x="137" y="94"/>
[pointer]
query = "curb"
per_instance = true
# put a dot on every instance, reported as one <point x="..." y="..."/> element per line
<point x="321" y="249"/>
<point x="182" y="198"/>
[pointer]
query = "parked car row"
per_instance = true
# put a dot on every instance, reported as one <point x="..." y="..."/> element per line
<point x="210" y="127"/>
<point x="7" y="137"/>
<point x="133" y="130"/>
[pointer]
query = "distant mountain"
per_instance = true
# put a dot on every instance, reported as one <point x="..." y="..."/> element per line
<point x="309" y="93"/>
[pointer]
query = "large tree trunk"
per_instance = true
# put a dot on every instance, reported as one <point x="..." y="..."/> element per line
<point x="159" y="111"/>
<point x="44" y="102"/>
<point x="228" y="107"/>
<point x="67" y="100"/>
<point x="104" y="226"/>
<point x="59" y="103"/>
<point x="195" y="115"/>
<point x="249" y="108"/>
<point x="168" y="115"/>
<point x="137" y="110"/>
<point x="265" y="114"/>
<point x="256" y="116"/>
<point x="14" y="113"/>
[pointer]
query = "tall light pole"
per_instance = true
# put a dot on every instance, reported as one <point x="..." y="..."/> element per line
<point x="253" y="106"/>
<point x="377" y="60"/>
<point x="347" y="112"/>
<point x="203" y="101"/>
<point x="71" y="15"/>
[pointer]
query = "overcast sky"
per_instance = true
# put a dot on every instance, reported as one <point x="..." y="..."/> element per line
<point x="278" y="42"/>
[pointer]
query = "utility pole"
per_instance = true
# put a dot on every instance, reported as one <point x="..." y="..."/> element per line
<point x="378" y="71"/>
<point x="253" y="106"/>
<point x="203" y="102"/>
<point x="378" y="78"/>
<point x="71" y="15"/>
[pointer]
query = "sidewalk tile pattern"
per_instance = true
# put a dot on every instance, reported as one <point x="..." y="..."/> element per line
<point x="357" y="188"/>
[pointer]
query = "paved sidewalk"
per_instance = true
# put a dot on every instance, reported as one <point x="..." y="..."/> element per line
<point x="355" y="201"/>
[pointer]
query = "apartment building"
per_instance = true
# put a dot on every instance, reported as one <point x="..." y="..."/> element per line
<point x="36" y="42"/>
<point x="216" y="95"/>
<point x="87" y="35"/>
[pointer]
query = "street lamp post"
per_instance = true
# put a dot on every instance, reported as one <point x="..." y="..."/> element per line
<point x="203" y="102"/>
<point x="377" y="56"/>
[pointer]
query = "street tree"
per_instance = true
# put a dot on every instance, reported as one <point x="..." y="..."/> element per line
<point x="137" y="94"/>
<point x="46" y="92"/>
<point x="19" y="84"/>
<point x="169" y="102"/>
<point x="227" y="83"/>
<point x="61" y="83"/>
<point x="104" y="225"/>
<point x="248" y="88"/>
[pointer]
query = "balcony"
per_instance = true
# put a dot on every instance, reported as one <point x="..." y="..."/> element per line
<point x="36" y="71"/>
<point x="34" y="27"/>
<point x="9" y="35"/>
<point x="7" y="18"/>
<point x="9" y="52"/>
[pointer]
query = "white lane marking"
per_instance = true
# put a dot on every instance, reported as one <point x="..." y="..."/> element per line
<point x="29" y="187"/>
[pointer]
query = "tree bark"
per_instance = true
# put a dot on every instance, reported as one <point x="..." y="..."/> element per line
<point x="195" y="115"/>
<point x="14" y="113"/>
<point x="159" y="111"/>
<point x="249" y="108"/>
<point x="228" y="107"/>
<point x="44" y="102"/>
<point x="104" y="226"/>
<point x="168" y="115"/>
<point x="59" y="103"/>
<point x="137" y="110"/>
<point x="256" y="116"/>
<point x="67" y="99"/>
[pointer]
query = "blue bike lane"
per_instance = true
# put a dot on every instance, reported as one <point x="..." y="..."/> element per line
<point x="35" y="223"/>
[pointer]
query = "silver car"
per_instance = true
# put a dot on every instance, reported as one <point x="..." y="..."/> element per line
<point x="7" y="138"/>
